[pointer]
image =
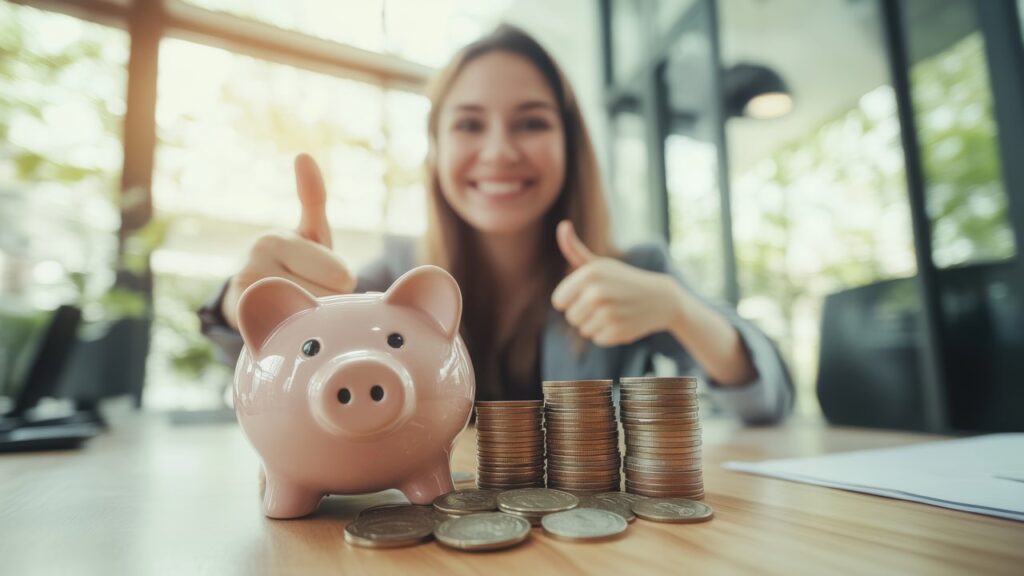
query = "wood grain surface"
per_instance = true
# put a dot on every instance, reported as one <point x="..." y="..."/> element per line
<point x="152" y="498"/>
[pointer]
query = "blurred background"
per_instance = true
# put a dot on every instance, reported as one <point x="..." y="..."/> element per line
<point x="848" y="173"/>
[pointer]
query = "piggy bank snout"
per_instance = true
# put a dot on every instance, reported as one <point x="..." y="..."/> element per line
<point x="361" y="394"/>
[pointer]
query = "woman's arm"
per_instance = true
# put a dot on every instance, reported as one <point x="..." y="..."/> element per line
<point x="708" y="336"/>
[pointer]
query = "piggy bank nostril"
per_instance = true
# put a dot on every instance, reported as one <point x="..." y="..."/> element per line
<point x="344" y="395"/>
<point x="377" y="393"/>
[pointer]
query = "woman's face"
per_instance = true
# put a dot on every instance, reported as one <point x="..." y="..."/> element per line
<point x="501" y="145"/>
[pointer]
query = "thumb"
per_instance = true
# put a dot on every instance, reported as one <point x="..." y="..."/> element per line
<point x="313" y="224"/>
<point x="574" y="250"/>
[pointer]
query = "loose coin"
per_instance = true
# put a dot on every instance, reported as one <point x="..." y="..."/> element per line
<point x="390" y="530"/>
<point x="583" y="524"/>
<point x="677" y="510"/>
<point x="536" y="501"/>
<point x="487" y="531"/>
<point x="613" y="503"/>
<point x="467" y="501"/>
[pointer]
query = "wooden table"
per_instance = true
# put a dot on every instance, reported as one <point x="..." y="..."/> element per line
<point x="151" y="498"/>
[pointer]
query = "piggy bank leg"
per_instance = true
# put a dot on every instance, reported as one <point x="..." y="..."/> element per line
<point x="283" y="499"/>
<point x="429" y="483"/>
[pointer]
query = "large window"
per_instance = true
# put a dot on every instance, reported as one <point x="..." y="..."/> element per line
<point x="241" y="87"/>
<point x="62" y="86"/>
<point x="819" y="200"/>
<point x="229" y="127"/>
<point x="812" y="202"/>
<point x="966" y="199"/>
<point x="424" y="32"/>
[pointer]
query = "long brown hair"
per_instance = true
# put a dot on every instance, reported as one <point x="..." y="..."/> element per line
<point x="449" y="239"/>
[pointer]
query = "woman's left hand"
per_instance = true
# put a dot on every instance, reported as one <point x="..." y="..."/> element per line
<point x="609" y="302"/>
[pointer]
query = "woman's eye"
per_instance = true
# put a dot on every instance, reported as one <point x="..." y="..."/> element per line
<point x="469" y="125"/>
<point x="311" y="348"/>
<point x="533" y="124"/>
<point x="395" y="340"/>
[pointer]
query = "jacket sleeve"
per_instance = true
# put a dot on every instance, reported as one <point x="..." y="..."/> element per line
<point x="769" y="397"/>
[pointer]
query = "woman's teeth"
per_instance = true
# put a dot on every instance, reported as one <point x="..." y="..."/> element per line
<point x="500" y="188"/>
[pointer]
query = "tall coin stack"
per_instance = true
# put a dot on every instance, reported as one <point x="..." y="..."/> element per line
<point x="582" y="435"/>
<point x="662" y="431"/>
<point x="510" y="444"/>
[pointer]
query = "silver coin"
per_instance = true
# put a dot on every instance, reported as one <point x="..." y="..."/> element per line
<point x="583" y="524"/>
<point x="487" y="531"/>
<point x="390" y="530"/>
<point x="536" y="501"/>
<point x="467" y="501"/>
<point x="610" y="501"/>
<point x="679" y="510"/>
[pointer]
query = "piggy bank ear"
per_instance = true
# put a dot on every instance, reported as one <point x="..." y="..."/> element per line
<point x="265" y="305"/>
<point x="433" y="291"/>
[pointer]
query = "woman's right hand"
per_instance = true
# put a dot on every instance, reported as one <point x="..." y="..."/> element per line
<point x="303" y="256"/>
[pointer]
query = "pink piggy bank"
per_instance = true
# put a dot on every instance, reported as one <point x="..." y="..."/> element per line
<point x="355" y="393"/>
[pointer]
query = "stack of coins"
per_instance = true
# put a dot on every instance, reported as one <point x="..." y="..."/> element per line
<point x="510" y="444"/>
<point x="582" y="436"/>
<point x="662" y="430"/>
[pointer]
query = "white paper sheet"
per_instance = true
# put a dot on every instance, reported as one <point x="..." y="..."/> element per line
<point x="980" y="474"/>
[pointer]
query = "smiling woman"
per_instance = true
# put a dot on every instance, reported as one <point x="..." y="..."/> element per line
<point x="517" y="215"/>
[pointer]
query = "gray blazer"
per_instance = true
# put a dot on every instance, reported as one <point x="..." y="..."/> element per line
<point x="767" y="399"/>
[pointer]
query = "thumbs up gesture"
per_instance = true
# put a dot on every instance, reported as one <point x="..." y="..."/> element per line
<point x="607" y="301"/>
<point x="303" y="256"/>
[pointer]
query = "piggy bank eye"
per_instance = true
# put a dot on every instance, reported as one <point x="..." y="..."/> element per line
<point x="395" y="340"/>
<point x="311" y="347"/>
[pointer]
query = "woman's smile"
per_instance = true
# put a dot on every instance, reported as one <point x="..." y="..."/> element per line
<point x="494" y="189"/>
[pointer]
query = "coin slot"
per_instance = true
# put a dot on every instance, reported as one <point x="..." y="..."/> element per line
<point x="344" y="395"/>
<point x="377" y="393"/>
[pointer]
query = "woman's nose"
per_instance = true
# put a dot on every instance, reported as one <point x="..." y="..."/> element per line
<point x="499" y="146"/>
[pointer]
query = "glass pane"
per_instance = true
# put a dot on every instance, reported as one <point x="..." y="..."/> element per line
<point x="966" y="199"/>
<point x="424" y="32"/>
<point x="819" y="195"/>
<point x="691" y="158"/>
<point x="62" y="89"/>
<point x="356" y="22"/>
<point x="62" y="101"/>
<point x="669" y="12"/>
<point x="628" y="37"/>
<point x="979" y="288"/>
<point x="405" y="206"/>
<point x="630" y="194"/>
<point x="1020" y="16"/>
<point x="229" y="127"/>
<point x="431" y="32"/>
<point x="695" y="212"/>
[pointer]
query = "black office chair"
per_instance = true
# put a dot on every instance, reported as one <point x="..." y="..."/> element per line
<point x="18" y="432"/>
<point x="868" y="373"/>
<point x="868" y="369"/>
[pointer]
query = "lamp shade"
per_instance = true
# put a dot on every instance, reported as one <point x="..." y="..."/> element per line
<point x="755" y="91"/>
